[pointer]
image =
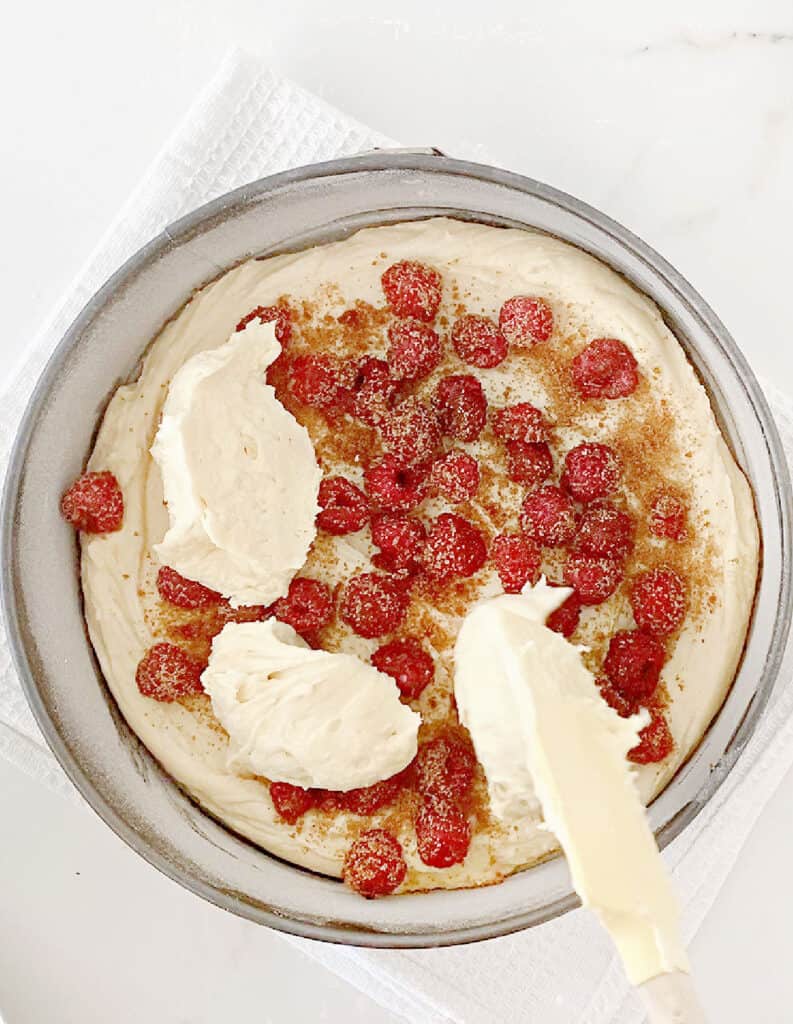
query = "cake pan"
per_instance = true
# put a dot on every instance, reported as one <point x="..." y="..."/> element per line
<point x="41" y="592"/>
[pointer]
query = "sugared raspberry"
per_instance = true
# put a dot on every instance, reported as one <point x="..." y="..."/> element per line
<point x="529" y="464"/>
<point x="521" y="422"/>
<point x="455" y="476"/>
<point x="414" y="349"/>
<point x="291" y="802"/>
<point x="166" y="672"/>
<point x="517" y="560"/>
<point x="410" y="665"/>
<point x="445" y="767"/>
<point x="245" y="613"/>
<point x="393" y="486"/>
<point x="454" y="548"/>
<point x="604" y="532"/>
<point x="177" y="589"/>
<point x="612" y="696"/>
<point x="461" y="407"/>
<point x="658" y="599"/>
<point x="668" y="517"/>
<point x="281" y="315"/>
<point x="307" y="607"/>
<point x="593" y="579"/>
<point x="345" y="508"/>
<point x="355" y="317"/>
<point x="401" y="541"/>
<point x="373" y="604"/>
<point x="411" y="432"/>
<point x="478" y="341"/>
<point x="634" y="662"/>
<point x="443" y="834"/>
<point x="412" y="290"/>
<point x="565" y="619"/>
<point x="655" y="741"/>
<point x="525" y="321"/>
<point x="591" y="471"/>
<point x="548" y="516"/>
<point x="374" y="865"/>
<point x="94" y="503"/>
<point x="371" y="391"/>
<point x="317" y="381"/>
<point x="605" y="369"/>
<point x="371" y="798"/>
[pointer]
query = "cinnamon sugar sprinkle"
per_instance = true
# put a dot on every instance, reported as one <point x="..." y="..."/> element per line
<point x="645" y="441"/>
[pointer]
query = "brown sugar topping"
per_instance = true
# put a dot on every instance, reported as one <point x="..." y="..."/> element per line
<point x="425" y="603"/>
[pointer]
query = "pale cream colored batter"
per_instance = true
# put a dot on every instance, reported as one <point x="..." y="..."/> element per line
<point x="495" y="264"/>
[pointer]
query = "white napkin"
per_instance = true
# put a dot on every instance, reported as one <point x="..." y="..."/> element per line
<point x="249" y="123"/>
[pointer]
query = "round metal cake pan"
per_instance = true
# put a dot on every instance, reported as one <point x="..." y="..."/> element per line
<point x="41" y="591"/>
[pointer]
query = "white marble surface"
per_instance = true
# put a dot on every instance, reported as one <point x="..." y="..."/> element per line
<point x="677" y="119"/>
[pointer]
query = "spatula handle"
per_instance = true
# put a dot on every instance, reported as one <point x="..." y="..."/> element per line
<point x="671" y="999"/>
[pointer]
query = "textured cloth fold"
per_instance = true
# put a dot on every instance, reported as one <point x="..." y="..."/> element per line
<point x="246" y="124"/>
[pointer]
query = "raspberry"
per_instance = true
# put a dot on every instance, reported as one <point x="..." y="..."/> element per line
<point x="374" y="865"/>
<point x="443" y="834"/>
<point x="633" y="663"/>
<point x="372" y="390"/>
<point x="655" y="741"/>
<point x="401" y="541"/>
<point x="282" y="315"/>
<point x="591" y="471"/>
<point x="454" y="548"/>
<point x="624" y="707"/>
<point x="411" y="432"/>
<point x="208" y="625"/>
<point x="445" y="767"/>
<point x="548" y="516"/>
<point x="317" y="381"/>
<point x="525" y="320"/>
<point x="177" y="589"/>
<point x="455" y="476"/>
<point x="307" y="607"/>
<point x="521" y="422"/>
<point x="605" y="369"/>
<point x="166" y="672"/>
<point x="478" y="341"/>
<point x="371" y="798"/>
<point x="94" y="503"/>
<point x="414" y="349"/>
<point x="390" y="485"/>
<point x="593" y="579"/>
<point x="604" y="532"/>
<point x="412" y="290"/>
<point x="409" y="664"/>
<point x="345" y="508"/>
<point x="658" y="599"/>
<point x="355" y="318"/>
<point x="528" y="464"/>
<point x="373" y="604"/>
<point x="565" y="619"/>
<point x="668" y="517"/>
<point x="461" y="407"/>
<point x="291" y="802"/>
<point x="517" y="561"/>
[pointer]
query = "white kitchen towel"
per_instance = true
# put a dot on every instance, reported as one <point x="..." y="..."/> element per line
<point x="249" y="123"/>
